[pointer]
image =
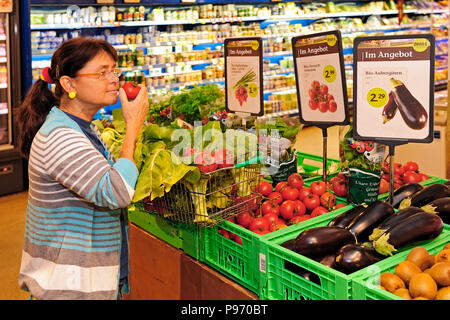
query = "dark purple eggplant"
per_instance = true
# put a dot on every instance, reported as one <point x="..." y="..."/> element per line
<point x="390" y="109"/>
<point x="308" y="275"/>
<point x="290" y="244"/>
<point x="392" y="221"/>
<point x="353" y="257"/>
<point x="412" y="111"/>
<point x="441" y="207"/>
<point x="328" y="260"/>
<point x="404" y="191"/>
<point x="447" y="183"/>
<point x="363" y="225"/>
<point x="320" y="241"/>
<point x="426" y="195"/>
<point x="418" y="227"/>
<point x="344" y="219"/>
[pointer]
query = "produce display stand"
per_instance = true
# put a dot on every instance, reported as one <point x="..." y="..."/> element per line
<point x="282" y="284"/>
<point x="364" y="287"/>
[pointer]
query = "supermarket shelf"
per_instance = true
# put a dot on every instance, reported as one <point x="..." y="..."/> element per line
<point x="220" y="81"/>
<point x="290" y="113"/>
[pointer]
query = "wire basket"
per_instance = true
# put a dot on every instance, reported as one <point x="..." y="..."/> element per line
<point x="220" y="195"/>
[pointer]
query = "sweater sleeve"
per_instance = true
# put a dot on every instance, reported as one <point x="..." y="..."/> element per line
<point x="75" y="163"/>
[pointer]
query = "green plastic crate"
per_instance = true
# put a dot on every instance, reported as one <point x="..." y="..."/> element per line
<point x="241" y="262"/>
<point x="365" y="287"/>
<point x="310" y="163"/>
<point x="279" y="283"/>
<point x="181" y="236"/>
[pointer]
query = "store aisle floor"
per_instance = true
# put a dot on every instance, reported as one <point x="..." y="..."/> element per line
<point x="12" y="229"/>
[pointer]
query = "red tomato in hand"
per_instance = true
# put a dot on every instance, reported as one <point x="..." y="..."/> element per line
<point x="295" y="180"/>
<point x="411" y="166"/>
<point x="264" y="188"/>
<point x="318" y="187"/>
<point x="328" y="200"/>
<point x="340" y="189"/>
<point x="289" y="193"/>
<point x="312" y="201"/>
<point x="131" y="89"/>
<point x="303" y="193"/>
<point x="318" y="211"/>
<point x="287" y="209"/>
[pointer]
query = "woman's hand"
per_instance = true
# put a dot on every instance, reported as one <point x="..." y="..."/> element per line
<point x="134" y="112"/>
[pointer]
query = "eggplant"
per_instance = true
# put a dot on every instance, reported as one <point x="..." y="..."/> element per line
<point x="308" y="275"/>
<point x="405" y="191"/>
<point x="392" y="221"/>
<point x="290" y="244"/>
<point x="447" y="183"/>
<point x="426" y="195"/>
<point x="412" y="111"/>
<point x="390" y="109"/>
<point x="353" y="257"/>
<point x="344" y="219"/>
<point x="328" y="260"/>
<point x="441" y="207"/>
<point x="363" y="225"/>
<point x="320" y="241"/>
<point x="418" y="227"/>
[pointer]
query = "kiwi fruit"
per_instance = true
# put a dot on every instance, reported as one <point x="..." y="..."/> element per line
<point x="403" y="293"/>
<point x="440" y="272"/>
<point x="420" y="257"/>
<point x="443" y="293"/>
<point x="422" y="285"/>
<point x="442" y="256"/>
<point x="391" y="282"/>
<point x="405" y="270"/>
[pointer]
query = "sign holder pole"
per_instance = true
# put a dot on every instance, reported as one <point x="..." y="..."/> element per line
<point x="325" y="161"/>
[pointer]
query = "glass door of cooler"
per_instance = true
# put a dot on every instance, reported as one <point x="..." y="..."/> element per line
<point x="5" y="98"/>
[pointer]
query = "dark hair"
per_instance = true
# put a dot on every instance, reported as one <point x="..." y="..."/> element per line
<point x="68" y="59"/>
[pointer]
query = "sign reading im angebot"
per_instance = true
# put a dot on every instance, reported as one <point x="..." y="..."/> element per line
<point x="244" y="75"/>
<point x="394" y="88"/>
<point x="319" y="72"/>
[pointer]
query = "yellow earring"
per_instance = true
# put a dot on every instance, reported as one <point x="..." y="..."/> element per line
<point x="72" y="94"/>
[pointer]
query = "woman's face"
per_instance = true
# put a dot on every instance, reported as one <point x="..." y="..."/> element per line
<point x="92" y="90"/>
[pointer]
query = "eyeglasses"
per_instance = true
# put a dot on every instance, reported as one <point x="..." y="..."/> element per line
<point x="101" y="75"/>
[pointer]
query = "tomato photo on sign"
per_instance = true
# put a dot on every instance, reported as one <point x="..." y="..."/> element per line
<point x="131" y="89"/>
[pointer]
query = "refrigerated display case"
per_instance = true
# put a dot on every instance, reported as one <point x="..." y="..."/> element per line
<point x="11" y="164"/>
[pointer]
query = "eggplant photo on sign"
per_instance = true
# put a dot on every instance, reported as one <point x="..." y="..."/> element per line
<point x="394" y="88"/>
<point x="320" y="77"/>
<point x="243" y="76"/>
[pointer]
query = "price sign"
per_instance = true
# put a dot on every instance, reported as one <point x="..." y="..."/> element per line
<point x="320" y="77"/>
<point x="393" y="88"/>
<point x="244" y="75"/>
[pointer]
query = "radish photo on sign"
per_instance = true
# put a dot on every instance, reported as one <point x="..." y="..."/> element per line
<point x="321" y="87"/>
<point x="394" y="87"/>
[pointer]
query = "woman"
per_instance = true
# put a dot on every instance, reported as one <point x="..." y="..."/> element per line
<point x="76" y="230"/>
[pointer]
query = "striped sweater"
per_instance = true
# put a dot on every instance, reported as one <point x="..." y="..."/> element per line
<point x="73" y="235"/>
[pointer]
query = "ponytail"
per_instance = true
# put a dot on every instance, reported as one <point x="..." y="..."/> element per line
<point x="32" y="114"/>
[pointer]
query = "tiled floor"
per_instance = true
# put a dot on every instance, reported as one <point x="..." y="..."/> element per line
<point x="13" y="208"/>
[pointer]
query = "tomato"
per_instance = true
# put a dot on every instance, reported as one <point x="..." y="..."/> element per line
<point x="423" y="176"/>
<point x="205" y="162"/>
<point x="335" y="180"/>
<point x="330" y="97"/>
<point x="411" y="177"/>
<point x="279" y="226"/>
<point x="323" y="90"/>
<point x="299" y="208"/>
<point x="259" y="224"/>
<point x="386" y="177"/>
<point x="318" y="211"/>
<point x="340" y="189"/>
<point x="224" y="233"/>
<point x="224" y="158"/>
<point x="333" y="105"/>
<point x="287" y="209"/>
<point x="386" y="167"/>
<point x="313" y="104"/>
<point x="312" y="201"/>
<point x="328" y="200"/>
<point x="261" y="232"/>
<point x="303" y="193"/>
<point x="315" y="84"/>
<point x="275" y="197"/>
<point x="131" y="89"/>
<point x="323" y="106"/>
<point x="237" y="239"/>
<point x="339" y="205"/>
<point x="318" y="187"/>
<point x="270" y="208"/>
<point x="272" y="220"/>
<point x="312" y="93"/>
<point x="298" y="219"/>
<point x="411" y="166"/>
<point x="264" y="188"/>
<point x="289" y="193"/>
<point x="295" y="180"/>
<point x="280" y="186"/>
<point x="245" y="219"/>
<point x="398" y="169"/>
<point x="384" y="186"/>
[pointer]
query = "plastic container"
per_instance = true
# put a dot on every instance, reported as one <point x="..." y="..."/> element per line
<point x="308" y="163"/>
<point x="279" y="283"/>
<point x="365" y="287"/>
